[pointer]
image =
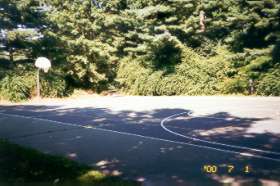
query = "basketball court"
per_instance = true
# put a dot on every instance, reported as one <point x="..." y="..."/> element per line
<point x="157" y="140"/>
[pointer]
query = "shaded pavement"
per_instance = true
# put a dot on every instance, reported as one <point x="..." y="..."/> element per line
<point x="142" y="150"/>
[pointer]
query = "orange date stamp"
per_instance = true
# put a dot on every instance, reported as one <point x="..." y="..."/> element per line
<point x="229" y="168"/>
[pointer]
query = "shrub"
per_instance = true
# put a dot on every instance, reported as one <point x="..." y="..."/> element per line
<point x="193" y="76"/>
<point x="269" y="84"/>
<point x="132" y="76"/>
<point x="164" y="52"/>
<point x="15" y="88"/>
<point x="259" y="64"/>
<point x="22" y="86"/>
<point x="236" y="86"/>
<point x="54" y="85"/>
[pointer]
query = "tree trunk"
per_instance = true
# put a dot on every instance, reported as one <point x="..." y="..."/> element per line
<point x="11" y="55"/>
<point x="202" y="21"/>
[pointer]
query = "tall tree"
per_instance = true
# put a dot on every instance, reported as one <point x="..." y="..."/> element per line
<point x="86" y="32"/>
<point x="19" y="26"/>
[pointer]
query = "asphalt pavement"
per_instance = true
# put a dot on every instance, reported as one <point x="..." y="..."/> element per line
<point x="157" y="140"/>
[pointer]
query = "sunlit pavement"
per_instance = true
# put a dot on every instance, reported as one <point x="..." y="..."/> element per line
<point x="222" y="140"/>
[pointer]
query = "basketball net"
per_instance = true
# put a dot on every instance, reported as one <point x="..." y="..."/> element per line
<point x="45" y="70"/>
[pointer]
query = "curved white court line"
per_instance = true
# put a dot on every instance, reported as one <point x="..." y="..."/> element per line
<point x="162" y="124"/>
<point x="146" y="137"/>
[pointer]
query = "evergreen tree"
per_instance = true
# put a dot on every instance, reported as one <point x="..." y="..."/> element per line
<point x="91" y="41"/>
<point x="19" y="27"/>
<point x="87" y="31"/>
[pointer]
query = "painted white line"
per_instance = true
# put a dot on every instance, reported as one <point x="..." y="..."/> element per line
<point x="145" y="137"/>
<point x="206" y="141"/>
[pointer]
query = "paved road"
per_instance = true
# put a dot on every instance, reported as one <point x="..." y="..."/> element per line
<point x="158" y="140"/>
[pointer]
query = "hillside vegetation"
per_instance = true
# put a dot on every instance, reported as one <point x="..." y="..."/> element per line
<point x="141" y="47"/>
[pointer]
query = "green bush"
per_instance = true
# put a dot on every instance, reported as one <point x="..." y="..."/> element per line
<point x="259" y="64"/>
<point x="22" y="86"/>
<point x="269" y="84"/>
<point x="131" y="75"/>
<point x="194" y="75"/>
<point x="15" y="88"/>
<point x="163" y="52"/>
<point x="236" y="86"/>
<point x="54" y="85"/>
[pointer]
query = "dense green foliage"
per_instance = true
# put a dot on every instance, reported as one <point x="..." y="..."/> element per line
<point x="194" y="75"/>
<point x="270" y="84"/>
<point x="155" y="47"/>
<point x="21" y="43"/>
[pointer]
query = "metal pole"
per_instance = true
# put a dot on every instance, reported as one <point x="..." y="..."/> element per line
<point x="38" y="83"/>
<point x="251" y="86"/>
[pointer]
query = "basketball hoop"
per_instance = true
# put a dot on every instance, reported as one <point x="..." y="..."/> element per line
<point x="44" y="64"/>
<point x="46" y="70"/>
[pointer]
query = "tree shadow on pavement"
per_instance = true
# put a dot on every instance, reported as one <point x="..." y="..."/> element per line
<point x="159" y="157"/>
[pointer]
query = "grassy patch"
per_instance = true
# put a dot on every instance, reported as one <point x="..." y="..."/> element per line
<point x="23" y="166"/>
